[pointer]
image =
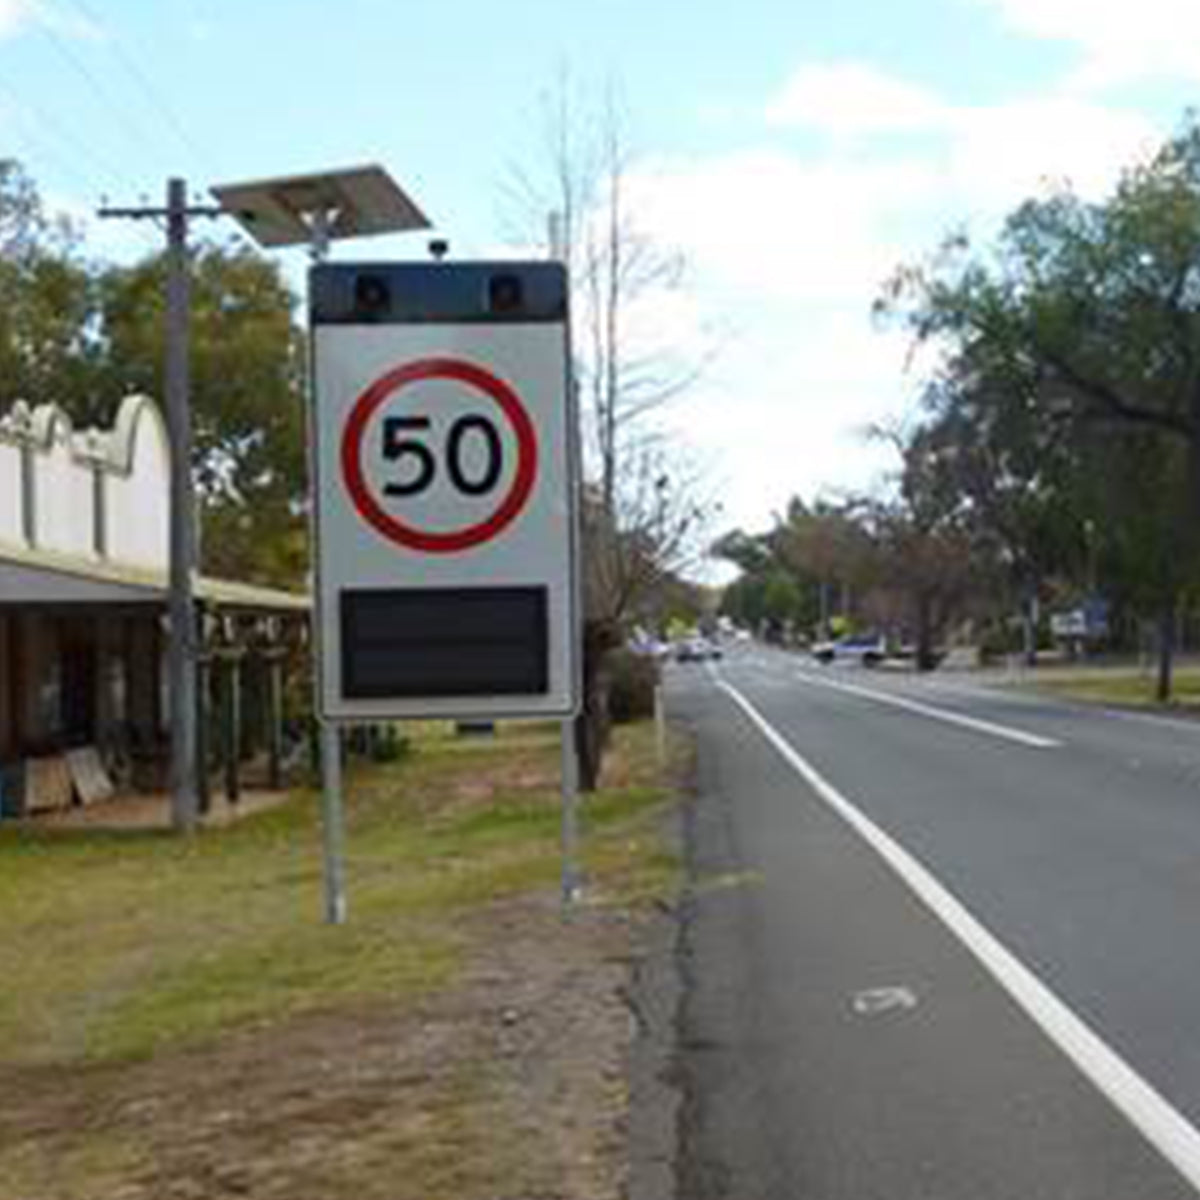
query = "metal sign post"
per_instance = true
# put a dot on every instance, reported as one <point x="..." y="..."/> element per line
<point x="333" y="834"/>
<point x="571" y="875"/>
<point x="660" y="725"/>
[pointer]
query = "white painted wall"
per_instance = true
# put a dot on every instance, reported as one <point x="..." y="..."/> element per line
<point x="62" y="487"/>
<point x="10" y="492"/>
<point x="137" y="503"/>
<point x="133" y="462"/>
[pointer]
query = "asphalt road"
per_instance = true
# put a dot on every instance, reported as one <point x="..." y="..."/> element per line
<point x="944" y="943"/>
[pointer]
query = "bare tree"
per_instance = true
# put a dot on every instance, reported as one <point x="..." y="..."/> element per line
<point x="642" y="515"/>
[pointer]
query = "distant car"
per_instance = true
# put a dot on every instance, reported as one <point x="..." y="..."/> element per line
<point x="649" y="647"/>
<point x="868" y="651"/>
<point x="696" y="649"/>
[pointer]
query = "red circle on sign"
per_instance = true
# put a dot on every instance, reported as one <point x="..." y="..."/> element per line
<point x="392" y="527"/>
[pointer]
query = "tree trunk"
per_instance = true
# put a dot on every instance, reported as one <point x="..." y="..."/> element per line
<point x="926" y="658"/>
<point x="591" y="733"/>
<point x="592" y="724"/>
<point x="1191" y="519"/>
<point x="1029" y="624"/>
<point x="1166" y="648"/>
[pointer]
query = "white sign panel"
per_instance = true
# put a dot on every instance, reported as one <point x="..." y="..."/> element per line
<point x="445" y="487"/>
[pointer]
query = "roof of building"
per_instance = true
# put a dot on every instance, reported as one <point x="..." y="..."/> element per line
<point x="83" y="513"/>
<point x="121" y="582"/>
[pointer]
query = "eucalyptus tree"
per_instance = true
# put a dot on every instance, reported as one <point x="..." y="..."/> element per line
<point x="1084" y="318"/>
<point x="247" y="388"/>
<point x="48" y="348"/>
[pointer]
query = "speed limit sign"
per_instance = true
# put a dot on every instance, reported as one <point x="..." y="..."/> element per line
<point x="445" y="490"/>
<point x="399" y="441"/>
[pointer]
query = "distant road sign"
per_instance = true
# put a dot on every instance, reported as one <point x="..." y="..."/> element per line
<point x="445" y="485"/>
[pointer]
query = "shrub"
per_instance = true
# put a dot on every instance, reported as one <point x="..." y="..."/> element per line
<point x="388" y="744"/>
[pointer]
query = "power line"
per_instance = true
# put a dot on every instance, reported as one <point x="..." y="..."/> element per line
<point x="64" y="162"/>
<point x="73" y="148"/>
<point x="133" y="130"/>
<point x="80" y="147"/>
<point x="43" y="136"/>
<point x="157" y="100"/>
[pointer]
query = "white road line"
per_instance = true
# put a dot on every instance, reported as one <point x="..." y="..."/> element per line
<point x="1007" y="732"/>
<point x="1006" y="693"/>
<point x="1158" y="1121"/>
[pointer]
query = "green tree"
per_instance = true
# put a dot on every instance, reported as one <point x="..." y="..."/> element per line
<point x="829" y="553"/>
<point x="794" y="573"/>
<point x="743" y="601"/>
<point x="781" y="599"/>
<point x="85" y="334"/>
<point x="924" y="552"/>
<point x="1133" y="489"/>
<point x="1010" y="481"/>
<point x="247" y="388"/>
<point x="48" y="348"/>
<point x="766" y="596"/>
<point x="1089" y="314"/>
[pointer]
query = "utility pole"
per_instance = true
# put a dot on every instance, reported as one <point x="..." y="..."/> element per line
<point x="181" y="664"/>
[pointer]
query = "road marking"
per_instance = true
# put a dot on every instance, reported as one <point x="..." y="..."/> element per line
<point x="1009" y="691"/>
<point x="872" y="1001"/>
<point x="1146" y="1109"/>
<point x="1020" y="736"/>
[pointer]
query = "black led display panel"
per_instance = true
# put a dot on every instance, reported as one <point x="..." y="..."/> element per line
<point x="443" y="642"/>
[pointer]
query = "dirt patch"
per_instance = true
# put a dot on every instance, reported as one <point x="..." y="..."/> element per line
<point x="509" y="1085"/>
<point x="502" y="780"/>
<point x="152" y="811"/>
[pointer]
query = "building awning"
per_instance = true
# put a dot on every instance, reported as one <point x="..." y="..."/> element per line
<point x="225" y="593"/>
<point x="31" y="576"/>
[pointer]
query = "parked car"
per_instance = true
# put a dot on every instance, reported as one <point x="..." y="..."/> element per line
<point x="649" y="647"/>
<point x="697" y="649"/>
<point x="868" y="651"/>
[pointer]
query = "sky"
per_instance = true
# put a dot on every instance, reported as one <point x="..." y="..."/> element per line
<point x="793" y="155"/>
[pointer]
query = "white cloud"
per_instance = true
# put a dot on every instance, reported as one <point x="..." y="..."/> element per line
<point x="853" y="98"/>
<point x="1119" y="41"/>
<point x="987" y="156"/>
<point x="776" y="225"/>
<point x="666" y="318"/>
<point x="789" y="245"/>
<point x="1000" y="154"/>
<point x="782" y="226"/>
<point x="785" y="410"/>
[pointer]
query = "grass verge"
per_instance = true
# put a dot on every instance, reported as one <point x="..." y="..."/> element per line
<point x="1128" y="687"/>
<point x="178" y="1023"/>
<point x="119" y="946"/>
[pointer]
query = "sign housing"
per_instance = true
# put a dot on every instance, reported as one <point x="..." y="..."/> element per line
<point x="445" y="483"/>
